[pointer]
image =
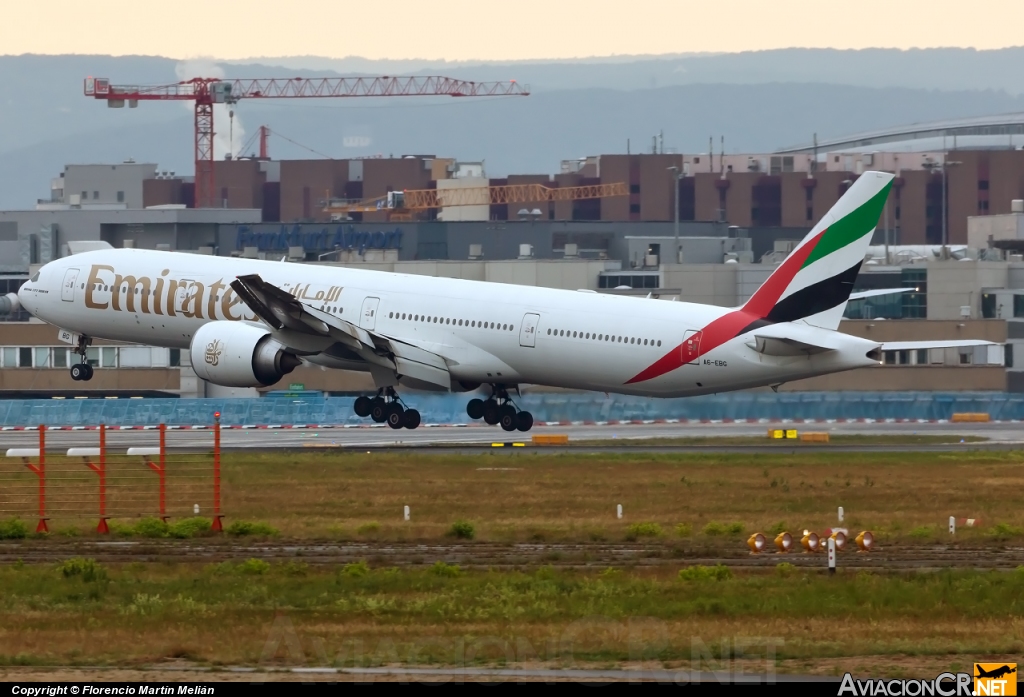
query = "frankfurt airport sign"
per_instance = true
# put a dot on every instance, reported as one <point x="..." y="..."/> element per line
<point x="315" y="238"/>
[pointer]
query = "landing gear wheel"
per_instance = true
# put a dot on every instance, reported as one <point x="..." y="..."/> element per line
<point x="524" y="421"/>
<point x="378" y="409"/>
<point x="507" y="417"/>
<point x="363" y="406"/>
<point x="88" y="371"/>
<point x="475" y="408"/>
<point x="491" y="412"/>
<point x="411" y="418"/>
<point x="78" y="371"/>
<point x="394" y="415"/>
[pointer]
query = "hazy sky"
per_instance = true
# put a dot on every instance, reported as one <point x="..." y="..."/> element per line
<point x="489" y="30"/>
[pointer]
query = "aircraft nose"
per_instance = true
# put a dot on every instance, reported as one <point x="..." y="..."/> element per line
<point x="25" y="297"/>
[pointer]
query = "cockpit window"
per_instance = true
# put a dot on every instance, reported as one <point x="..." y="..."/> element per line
<point x="35" y="277"/>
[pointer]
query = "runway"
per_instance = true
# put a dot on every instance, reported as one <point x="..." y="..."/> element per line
<point x="1000" y="436"/>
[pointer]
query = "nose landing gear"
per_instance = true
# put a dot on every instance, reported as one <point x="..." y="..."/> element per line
<point x="386" y="407"/>
<point x="82" y="370"/>
<point x="499" y="409"/>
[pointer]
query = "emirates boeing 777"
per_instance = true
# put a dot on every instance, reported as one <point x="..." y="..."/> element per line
<point x="248" y="323"/>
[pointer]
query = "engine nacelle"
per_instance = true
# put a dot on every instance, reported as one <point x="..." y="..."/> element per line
<point x="237" y="354"/>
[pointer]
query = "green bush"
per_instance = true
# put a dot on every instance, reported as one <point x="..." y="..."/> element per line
<point x="719" y="572"/>
<point x="462" y="530"/>
<point x="714" y="529"/>
<point x="684" y="529"/>
<point x="89" y="570"/>
<point x="243" y="528"/>
<point x="253" y="567"/>
<point x="356" y="569"/>
<point x="638" y="530"/>
<point x="778" y="528"/>
<point x="1005" y="531"/>
<point x="921" y="532"/>
<point x="734" y="528"/>
<point x="295" y="568"/>
<point x="190" y="527"/>
<point x="445" y="570"/>
<point x="785" y="569"/>
<point x="371" y="528"/>
<point x="120" y="529"/>
<point x="150" y="527"/>
<point x="13" y="529"/>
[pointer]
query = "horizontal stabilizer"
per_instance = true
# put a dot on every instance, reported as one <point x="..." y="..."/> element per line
<point x="880" y="291"/>
<point x="792" y="339"/>
<point x="941" y="344"/>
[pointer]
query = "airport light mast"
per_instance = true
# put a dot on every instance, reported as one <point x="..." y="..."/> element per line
<point x="206" y="92"/>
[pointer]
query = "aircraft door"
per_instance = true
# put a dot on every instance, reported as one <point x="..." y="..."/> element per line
<point x="67" y="289"/>
<point x="691" y="346"/>
<point x="528" y="332"/>
<point x="368" y="316"/>
<point x="184" y="295"/>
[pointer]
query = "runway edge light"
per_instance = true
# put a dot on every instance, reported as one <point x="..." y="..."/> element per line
<point x="757" y="543"/>
<point x="839" y="537"/>
<point x="810" y="541"/>
<point x="784" y="542"/>
<point x="865" y="540"/>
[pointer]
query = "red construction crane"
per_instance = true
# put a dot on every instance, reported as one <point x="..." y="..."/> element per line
<point x="206" y="92"/>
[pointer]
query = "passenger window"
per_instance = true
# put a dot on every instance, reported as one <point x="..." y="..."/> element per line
<point x="659" y="343"/>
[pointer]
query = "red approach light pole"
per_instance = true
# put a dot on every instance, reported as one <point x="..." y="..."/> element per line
<point x="206" y="92"/>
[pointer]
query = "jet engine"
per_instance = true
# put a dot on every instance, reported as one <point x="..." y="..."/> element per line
<point x="237" y="354"/>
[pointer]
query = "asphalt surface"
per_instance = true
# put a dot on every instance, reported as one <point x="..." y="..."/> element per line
<point x="1001" y="436"/>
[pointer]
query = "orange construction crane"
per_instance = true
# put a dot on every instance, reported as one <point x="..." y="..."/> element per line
<point x="399" y="203"/>
<point x="206" y="92"/>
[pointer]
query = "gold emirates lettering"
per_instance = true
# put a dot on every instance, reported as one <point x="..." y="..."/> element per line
<point x="183" y="296"/>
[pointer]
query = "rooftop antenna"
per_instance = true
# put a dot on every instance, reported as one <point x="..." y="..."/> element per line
<point x="711" y="153"/>
<point x="661" y="142"/>
<point x="627" y="146"/>
<point x="721" y="157"/>
<point x="814" y="162"/>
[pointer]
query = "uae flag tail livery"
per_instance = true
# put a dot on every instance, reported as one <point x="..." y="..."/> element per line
<point x="815" y="281"/>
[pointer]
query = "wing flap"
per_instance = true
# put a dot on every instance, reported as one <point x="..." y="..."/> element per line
<point x="294" y="322"/>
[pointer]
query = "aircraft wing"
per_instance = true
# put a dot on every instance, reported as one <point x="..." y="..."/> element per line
<point x="307" y="330"/>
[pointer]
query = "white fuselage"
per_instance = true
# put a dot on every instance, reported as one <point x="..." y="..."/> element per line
<point x="571" y="339"/>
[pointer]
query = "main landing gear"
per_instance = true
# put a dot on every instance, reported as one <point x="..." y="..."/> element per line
<point x="387" y="408"/>
<point x="500" y="410"/>
<point x="82" y="370"/>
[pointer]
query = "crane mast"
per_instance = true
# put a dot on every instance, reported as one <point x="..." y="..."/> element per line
<point x="206" y="92"/>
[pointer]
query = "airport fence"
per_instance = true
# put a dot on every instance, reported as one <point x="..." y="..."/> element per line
<point x="316" y="409"/>
<point x="159" y="480"/>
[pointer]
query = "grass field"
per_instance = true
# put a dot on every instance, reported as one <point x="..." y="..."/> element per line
<point x="258" y="614"/>
<point x="533" y="495"/>
<point x="554" y="497"/>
